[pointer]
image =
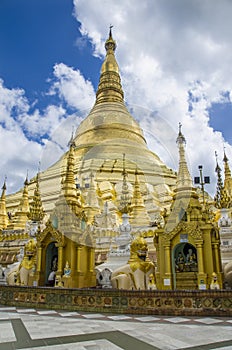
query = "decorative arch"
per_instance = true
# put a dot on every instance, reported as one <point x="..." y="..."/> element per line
<point x="191" y="229"/>
<point x="51" y="231"/>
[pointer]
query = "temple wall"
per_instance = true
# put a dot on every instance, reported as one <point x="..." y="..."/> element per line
<point x="182" y="303"/>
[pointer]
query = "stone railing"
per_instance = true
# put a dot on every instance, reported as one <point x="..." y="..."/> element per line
<point x="185" y="303"/>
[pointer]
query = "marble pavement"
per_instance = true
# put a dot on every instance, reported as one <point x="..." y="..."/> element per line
<point x="22" y="328"/>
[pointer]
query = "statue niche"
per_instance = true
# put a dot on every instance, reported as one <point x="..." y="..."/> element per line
<point x="186" y="258"/>
<point x="51" y="264"/>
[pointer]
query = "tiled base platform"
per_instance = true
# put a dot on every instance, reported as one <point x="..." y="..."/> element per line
<point x="177" y="303"/>
<point x="39" y="329"/>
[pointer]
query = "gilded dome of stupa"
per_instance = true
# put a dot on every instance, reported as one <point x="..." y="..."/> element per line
<point x="110" y="130"/>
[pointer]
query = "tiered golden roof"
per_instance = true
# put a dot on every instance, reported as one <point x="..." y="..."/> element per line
<point x="36" y="208"/>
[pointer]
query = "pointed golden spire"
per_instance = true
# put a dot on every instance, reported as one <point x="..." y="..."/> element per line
<point x="22" y="213"/>
<point x="3" y="195"/>
<point x="217" y="198"/>
<point x="137" y="197"/>
<point x="139" y="213"/>
<point x="183" y="177"/>
<point x="36" y="208"/>
<point x="109" y="88"/>
<point x="3" y="212"/>
<point x="92" y="206"/>
<point x="124" y="205"/>
<point x="227" y="174"/>
<point x="24" y="204"/>
<point x="221" y="199"/>
<point x="68" y="184"/>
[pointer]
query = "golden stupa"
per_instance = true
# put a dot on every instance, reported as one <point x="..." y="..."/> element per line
<point x="108" y="132"/>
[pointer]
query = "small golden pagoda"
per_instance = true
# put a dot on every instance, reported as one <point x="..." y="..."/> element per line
<point x="188" y="246"/>
<point x="223" y="202"/>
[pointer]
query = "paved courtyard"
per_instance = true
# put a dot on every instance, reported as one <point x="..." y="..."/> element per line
<point x="22" y="328"/>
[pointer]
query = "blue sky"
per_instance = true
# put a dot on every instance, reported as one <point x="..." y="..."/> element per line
<point x="34" y="35"/>
<point x="175" y="63"/>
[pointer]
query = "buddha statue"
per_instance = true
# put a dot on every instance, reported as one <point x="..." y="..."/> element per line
<point x="67" y="270"/>
<point x="214" y="282"/>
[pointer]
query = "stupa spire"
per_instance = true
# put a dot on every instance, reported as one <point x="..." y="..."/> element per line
<point x="125" y="200"/>
<point x="3" y="212"/>
<point x="139" y="213"/>
<point x="221" y="199"/>
<point x="92" y="206"/>
<point x="69" y="185"/>
<point x="227" y="174"/>
<point x="109" y="88"/>
<point x="183" y="177"/>
<point x="36" y="208"/>
<point x="22" y="214"/>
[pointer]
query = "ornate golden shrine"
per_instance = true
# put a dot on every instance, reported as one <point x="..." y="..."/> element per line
<point x="188" y="246"/>
<point x="54" y="246"/>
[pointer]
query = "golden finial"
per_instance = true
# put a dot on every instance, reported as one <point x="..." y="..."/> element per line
<point x="71" y="142"/>
<point x="110" y="33"/>
<point x="217" y="165"/>
<point x="225" y="159"/>
<point x="4" y="183"/>
<point x="180" y="138"/>
<point x="110" y="88"/>
<point x="110" y="44"/>
<point x="26" y="180"/>
<point x="3" y="188"/>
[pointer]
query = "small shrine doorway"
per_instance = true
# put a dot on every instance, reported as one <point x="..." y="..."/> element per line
<point x="51" y="264"/>
<point x="185" y="266"/>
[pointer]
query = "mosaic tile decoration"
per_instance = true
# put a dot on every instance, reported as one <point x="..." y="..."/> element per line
<point x="192" y="303"/>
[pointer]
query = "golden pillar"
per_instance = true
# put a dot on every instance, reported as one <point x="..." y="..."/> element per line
<point x="73" y="258"/>
<point x="60" y="260"/>
<point x="202" y="277"/>
<point x="91" y="259"/>
<point x="200" y="260"/>
<point x="167" y="260"/>
<point x="168" y="267"/>
<point x="217" y="264"/>
<point x="79" y="248"/>
<point x="37" y="276"/>
<point x="39" y="258"/>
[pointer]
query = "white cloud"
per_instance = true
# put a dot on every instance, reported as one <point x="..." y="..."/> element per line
<point x="29" y="136"/>
<point x="167" y="49"/>
<point x="37" y="124"/>
<point x="175" y="61"/>
<point x="18" y="155"/>
<point x="71" y="86"/>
